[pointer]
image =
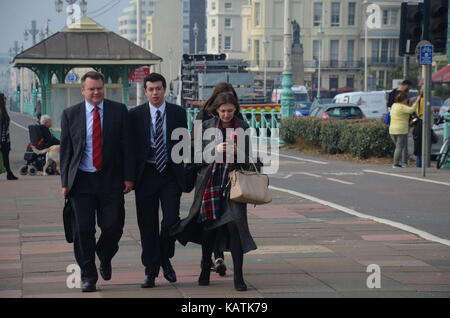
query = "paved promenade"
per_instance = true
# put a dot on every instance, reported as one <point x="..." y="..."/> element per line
<point x="304" y="250"/>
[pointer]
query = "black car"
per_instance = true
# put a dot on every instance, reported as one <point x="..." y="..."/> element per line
<point x="338" y="111"/>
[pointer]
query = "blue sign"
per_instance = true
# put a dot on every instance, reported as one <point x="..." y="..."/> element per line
<point x="426" y="54"/>
<point x="72" y="77"/>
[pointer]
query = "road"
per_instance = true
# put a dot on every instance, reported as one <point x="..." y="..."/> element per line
<point x="397" y="195"/>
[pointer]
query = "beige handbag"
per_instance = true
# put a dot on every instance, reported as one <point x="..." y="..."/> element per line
<point x="249" y="187"/>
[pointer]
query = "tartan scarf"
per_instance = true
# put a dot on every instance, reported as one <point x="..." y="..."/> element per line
<point x="216" y="185"/>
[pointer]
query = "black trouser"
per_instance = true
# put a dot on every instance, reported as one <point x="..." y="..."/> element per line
<point x="209" y="243"/>
<point x="87" y="198"/>
<point x="155" y="189"/>
<point x="5" y="154"/>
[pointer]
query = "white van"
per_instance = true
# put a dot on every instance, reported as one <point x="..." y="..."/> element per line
<point x="300" y="94"/>
<point x="373" y="104"/>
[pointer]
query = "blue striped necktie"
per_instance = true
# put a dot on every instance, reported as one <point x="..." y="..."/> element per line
<point x="160" y="145"/>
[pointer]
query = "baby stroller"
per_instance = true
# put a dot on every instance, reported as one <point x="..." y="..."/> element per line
<point x="35" y="162"/>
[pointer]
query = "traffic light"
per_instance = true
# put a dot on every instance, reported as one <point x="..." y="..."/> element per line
<point x="436" y="24"/>
<point x="410" y="27"/>
<point x="18" y="89"/>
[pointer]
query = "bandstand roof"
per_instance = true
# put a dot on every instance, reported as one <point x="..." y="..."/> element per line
<point x="86" y="43"/>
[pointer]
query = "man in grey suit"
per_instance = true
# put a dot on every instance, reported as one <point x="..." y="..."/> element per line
<point x="97" y="169"/>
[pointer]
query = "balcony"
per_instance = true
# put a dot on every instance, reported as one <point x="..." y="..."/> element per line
<point x="383" y="61"/>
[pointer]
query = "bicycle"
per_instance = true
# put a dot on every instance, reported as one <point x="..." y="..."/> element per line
<point x="444" y="153"/>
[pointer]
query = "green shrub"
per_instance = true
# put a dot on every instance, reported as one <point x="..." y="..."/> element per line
<point x="361" y="138"/>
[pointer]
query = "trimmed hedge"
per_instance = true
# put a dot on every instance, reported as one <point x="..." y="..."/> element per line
<point x="361" y="138"/>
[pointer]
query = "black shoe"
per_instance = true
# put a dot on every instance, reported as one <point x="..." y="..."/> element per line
<point x="220" y="267"/>
<point x="105" y="270"/>
<point x="203" y="279"/>
<point x="149" y="282"/>
<point x="11" y="177"/>
<point x="169" y="272"/>
<point x="88" y="287"/>
<point x="239" y="283"/>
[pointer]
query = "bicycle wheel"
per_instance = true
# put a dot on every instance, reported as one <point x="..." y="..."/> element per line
<point x="443" y="155"/>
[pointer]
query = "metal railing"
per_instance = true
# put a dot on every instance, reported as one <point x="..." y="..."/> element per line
<point x="265" y="123"/>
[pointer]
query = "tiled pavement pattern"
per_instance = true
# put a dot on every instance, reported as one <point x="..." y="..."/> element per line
<point x="305" y="250"/>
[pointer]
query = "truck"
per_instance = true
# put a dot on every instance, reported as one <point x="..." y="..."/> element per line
<point x="201" y="72"/>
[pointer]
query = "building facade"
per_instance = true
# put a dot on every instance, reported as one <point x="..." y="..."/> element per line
<point x="331" y="31"/>
<point x="225" y="28"/>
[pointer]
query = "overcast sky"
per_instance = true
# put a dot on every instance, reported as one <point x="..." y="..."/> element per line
<point x="16" y="17"/>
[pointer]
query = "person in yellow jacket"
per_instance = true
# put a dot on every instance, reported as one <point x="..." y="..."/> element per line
<point x="399" y="128"/>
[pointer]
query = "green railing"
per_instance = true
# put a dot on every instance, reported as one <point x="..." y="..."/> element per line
<point x="266" y="123"/>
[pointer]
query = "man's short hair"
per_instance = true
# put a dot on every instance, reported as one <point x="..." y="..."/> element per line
<point x="44" y="119"/>
<point x="407" y="82"/>
<point x="92" y="75"/>
<point x="155" y="77"/>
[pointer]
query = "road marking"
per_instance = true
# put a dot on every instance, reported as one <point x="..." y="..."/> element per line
<point x="398" y="225"/>
<point x="18" y="125"/>
<point x="302" y="159"/>
<point x="340" y="181"/>
<point x="310" y="174"/>
<point x="407" y="177"/>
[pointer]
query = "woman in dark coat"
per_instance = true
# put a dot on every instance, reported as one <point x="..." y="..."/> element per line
<point x="218" y="265"/>
<point x="213" y="217"/>
<point x="5" y="142"/>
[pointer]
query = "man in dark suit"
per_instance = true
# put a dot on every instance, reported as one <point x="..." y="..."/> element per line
<point x="97" y="168"/>
<point x="159" y="180"/>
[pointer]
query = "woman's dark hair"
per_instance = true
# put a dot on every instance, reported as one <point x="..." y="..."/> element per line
<point x="224" y="98"/>
<point x="401" y="97"/>
<point x="3" y="113"/>
<point x="218" y="89"/>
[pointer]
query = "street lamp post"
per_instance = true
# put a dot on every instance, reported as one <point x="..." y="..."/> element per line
<point x="195" y="29"/>
<point x="266" y="45"/>
<point x="287" y="95"/>
<point x="319" y="84"/>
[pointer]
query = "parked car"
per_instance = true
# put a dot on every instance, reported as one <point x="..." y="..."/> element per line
<point x="373" y="104"/>
<point x="300" y="94"/>
<point x="338" y="111"/>
<point x="302" y="109"/>
<point x="320" y="101"/>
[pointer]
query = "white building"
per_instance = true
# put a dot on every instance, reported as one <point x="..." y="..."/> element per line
<point x="225" y="27"/>
<point x="164" y="36"/>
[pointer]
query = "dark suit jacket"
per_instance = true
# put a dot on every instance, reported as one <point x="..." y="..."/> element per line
<point x="140" y="122"/>
<point x="118" y="156"/>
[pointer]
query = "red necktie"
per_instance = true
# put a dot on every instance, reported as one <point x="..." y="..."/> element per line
<point x="97" y="154"/>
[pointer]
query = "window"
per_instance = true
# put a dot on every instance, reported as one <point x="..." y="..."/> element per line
<point x="393" y="50"/>
<point x="375" y="51"/>
<point x="381" y="79"/>
<point x="257" y="54"/>
<point x="334" y="82"/>
<point x="213" y="42"/>
<point x="257" y="13"/>
<point x="227" y="44"/>
<point x="316" y="52"/>
<point x="227" y="22"/>
<point x="149" y="45"/>
<point x="350" y="81"/>
<point x="385" y="17"/>
<point x="317" y="13"/>
<point x="334" y="53"/>
<point x="351" y="13"/>
<point x="213" y="22"/>
<point x="335" y="13"/>
<point x="350" y="52"/>
<point x="213" y="5"/>
<point x="149" y="27"/>
<point x="228" y="6"/>
<point x="394" y="14"/>
<point x="384" y="50"/>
